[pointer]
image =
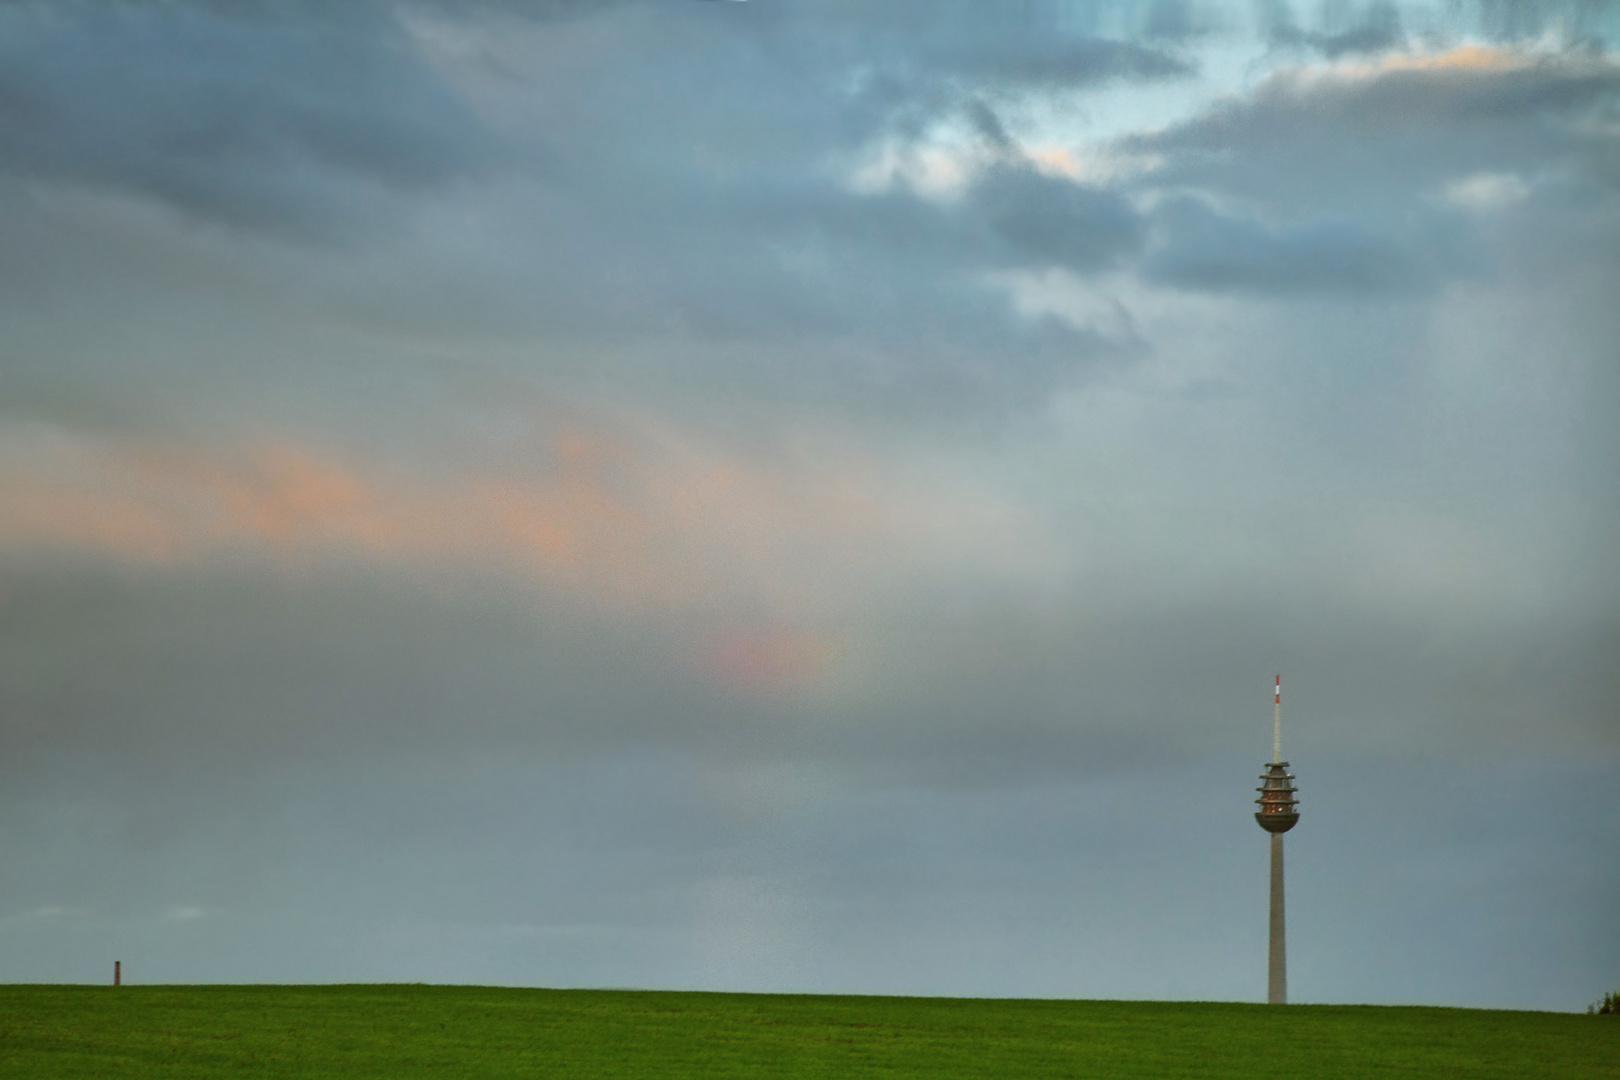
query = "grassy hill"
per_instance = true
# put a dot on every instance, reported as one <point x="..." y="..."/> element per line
<point x="404" y="1032"/>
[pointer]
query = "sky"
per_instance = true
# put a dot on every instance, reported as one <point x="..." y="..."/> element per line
<point x="811" y="495"/>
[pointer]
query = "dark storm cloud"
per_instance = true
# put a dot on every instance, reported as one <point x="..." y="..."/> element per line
<point x="259" y="115"/>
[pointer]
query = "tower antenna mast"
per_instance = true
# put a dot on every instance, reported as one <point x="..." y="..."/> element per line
<point x="1276" y="723"/>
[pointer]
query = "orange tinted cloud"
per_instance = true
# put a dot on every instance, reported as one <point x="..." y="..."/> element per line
<point x="772" y="659"/>
<point x="1461" y="58"/>
<point x="653" y="518"/>
<point x="168" y="503"/>
<point x="287" y="496"/>
<point x="36" y="513"/>
<point x="1463" y="61"/>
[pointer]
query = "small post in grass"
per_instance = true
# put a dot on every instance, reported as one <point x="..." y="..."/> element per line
<point x="118" y="973"/>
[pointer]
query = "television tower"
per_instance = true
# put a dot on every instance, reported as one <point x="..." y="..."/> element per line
<point x="1277" y="814"/>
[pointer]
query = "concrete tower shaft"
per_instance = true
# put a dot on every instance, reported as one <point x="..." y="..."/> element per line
<point x="1277" y="950"/>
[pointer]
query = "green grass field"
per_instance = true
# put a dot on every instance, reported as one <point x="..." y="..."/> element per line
<point x="402" y="1032"/>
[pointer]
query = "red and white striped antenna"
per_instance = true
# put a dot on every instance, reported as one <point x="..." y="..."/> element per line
<point x="1276" y="723"/>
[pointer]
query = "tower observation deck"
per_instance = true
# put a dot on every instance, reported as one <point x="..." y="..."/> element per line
<point x="1277" y="813"/>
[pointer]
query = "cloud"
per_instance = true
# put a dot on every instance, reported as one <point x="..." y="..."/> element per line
<point x="1375" y="29"/>
<point x="1011" y="48"/>
<point x="1484" y="193"/>
<point x="1377" y="177"/>
<point x="649" y="528"/>
<point x="652" y="520"/>
<point x="643" y="204"/>
<point x="772" y="658"/>
<point x="1055" y="221"/>
<point x="1051" y="61"/>
<point x="1360" y="133"/>
<point x="1206" y="249"/>
<point x="285" y="119"/>
<point x="1469" y="83"/>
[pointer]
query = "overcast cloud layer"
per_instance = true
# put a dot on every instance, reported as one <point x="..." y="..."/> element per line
<point x="810" y="496"/>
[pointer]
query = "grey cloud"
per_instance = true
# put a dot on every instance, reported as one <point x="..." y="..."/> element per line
<point x="262" y="118"/>
<point x="1172" y="20"/>
<point x="539" y="10"/>
<point x="1295" y="110"/>
<point x="1351" y="27"/>
<point x="1053" y="63"/>
<point x="1381" y="146"/>
<point x="1205" y="249"/>
<point x="1527" y="20"/>
<point x="1046" y="43"/>
<point x="1375" y="29"/>
<point x="237" y="673"/>
<point x="364" y="783"/>
<point x="1057" y="221"/>
<point x="989" y="125"/>
<point x="153" y="669"/>
<point x="833" y="296"/>
<point x="683" y="204"/>
<point x="255" y="762"/>
<point x="662" y="870"/>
